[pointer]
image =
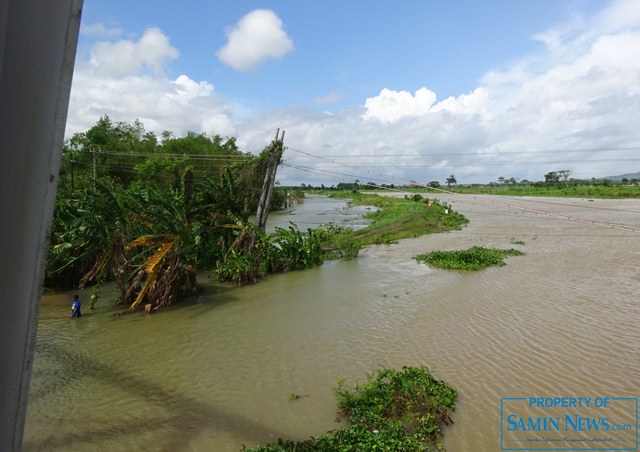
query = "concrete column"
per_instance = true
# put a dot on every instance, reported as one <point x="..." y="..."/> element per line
<point x="38" y="42"/>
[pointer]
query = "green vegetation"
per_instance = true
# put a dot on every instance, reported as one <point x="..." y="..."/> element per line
<point x="557" y="183"/>
<point x="393" y="219"/>
<point x="150" y="214"/>
<point x="400" y="218"/>
<point x="394" y="410"/>
<point x="475" y="258"/>
<point x="576" y="191"/>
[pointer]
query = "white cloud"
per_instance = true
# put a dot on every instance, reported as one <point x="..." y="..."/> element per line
<point x="256" y="37"/>
<point x="116" y="59"/>
<point x="391" y="106"/>
<point x="619" y="15"/>
<point x="179" y="105"/>
<point x="115" y="81"/>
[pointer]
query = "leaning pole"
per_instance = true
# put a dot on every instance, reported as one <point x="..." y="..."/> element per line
<point x="275" y="155"/>
<point x="38" y="41"/>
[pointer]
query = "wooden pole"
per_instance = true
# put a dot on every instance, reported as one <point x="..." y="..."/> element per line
<point x="275" y="154"/>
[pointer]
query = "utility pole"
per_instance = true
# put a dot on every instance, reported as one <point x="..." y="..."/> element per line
<point x="95" y="167"/>
<point x="275" y="154"/>
<point x="72" y="186"/>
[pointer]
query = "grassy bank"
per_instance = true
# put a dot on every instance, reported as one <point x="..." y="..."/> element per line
<point x="580" y="191"/>
<point x="393" y="219"/>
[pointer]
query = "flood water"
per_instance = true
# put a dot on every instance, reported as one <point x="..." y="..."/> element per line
<point x="217" y="371"/>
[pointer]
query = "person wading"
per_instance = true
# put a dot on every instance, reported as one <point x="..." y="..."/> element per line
<point x="75" y="307"/>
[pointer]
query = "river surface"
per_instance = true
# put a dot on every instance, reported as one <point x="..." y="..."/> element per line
<point x="217" y="371"/>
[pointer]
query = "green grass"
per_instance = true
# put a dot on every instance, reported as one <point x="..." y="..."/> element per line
<point x="401" y="218"/>
<point x="475" y="258"/>
<point x="580" y="191"/>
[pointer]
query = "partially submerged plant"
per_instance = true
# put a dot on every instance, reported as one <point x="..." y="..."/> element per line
<point x="474" y="258"/>
<point x="394" y="410"/>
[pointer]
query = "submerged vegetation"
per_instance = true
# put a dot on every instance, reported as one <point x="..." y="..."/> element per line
<point x="474" y="258"/>
<point x="392" y="219"/>
<point x="150" y="214"/>
<point x="394" y="410"/>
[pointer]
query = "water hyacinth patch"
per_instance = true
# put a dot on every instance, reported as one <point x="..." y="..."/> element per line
<point x="394" y="410"/>
<point x="474" y="258"/>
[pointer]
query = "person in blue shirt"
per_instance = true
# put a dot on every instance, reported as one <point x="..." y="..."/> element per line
<point x="75" y="307"/>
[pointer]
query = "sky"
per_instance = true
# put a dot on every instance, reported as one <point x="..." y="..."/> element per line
<point x="378" y="91"/>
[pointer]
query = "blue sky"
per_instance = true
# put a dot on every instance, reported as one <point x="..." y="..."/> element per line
<point x="417" y="90"/>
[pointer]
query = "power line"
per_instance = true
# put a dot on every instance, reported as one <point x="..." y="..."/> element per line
<point x="445" y="165"/>
<point x="487" y="201"/>
<point x="487" y="153"/>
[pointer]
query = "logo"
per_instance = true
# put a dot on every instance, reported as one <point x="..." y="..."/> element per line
<point x="569" y="423"/>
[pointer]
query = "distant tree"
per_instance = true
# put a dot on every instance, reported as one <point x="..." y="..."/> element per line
<point x="501" y="180"/>
<point x="451" y="180"/>
<point x="434" y="184"/>
<point x="552" y="177"/>
<point x="564" y="175"/>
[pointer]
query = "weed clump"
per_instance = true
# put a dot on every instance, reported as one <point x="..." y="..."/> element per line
<point x="474" y="258"/>
<point x="394" y="410"/>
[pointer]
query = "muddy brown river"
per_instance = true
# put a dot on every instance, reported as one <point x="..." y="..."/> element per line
<point x="216" y="372"/>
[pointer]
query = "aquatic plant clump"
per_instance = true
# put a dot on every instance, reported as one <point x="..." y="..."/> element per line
<point x="474" y="258"/>
<point x="394" y="410"/>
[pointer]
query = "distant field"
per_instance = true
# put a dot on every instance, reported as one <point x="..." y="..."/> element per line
<point x="617" y="192"/>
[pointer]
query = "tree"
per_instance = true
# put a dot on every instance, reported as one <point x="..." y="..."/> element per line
<point x="552" y="177"/>
<point x="451" y="180"/>
<point x="564" y="175"/>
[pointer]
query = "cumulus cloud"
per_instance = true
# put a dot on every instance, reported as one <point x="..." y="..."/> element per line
<point x="151" y="51"/>
<point x="125" y="80"/>
<point x="256" y="37"/>
<point x="390" y="105"/>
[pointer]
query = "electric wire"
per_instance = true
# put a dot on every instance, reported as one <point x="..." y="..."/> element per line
<point x="480" y="199"/>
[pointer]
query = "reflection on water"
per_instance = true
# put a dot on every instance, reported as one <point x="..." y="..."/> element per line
<point x="216" y="371"/>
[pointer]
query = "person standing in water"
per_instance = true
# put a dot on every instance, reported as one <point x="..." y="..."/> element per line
<point x="75" y="307"/>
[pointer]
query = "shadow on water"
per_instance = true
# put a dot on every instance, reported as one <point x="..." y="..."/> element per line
<point x="186" y="418"/>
